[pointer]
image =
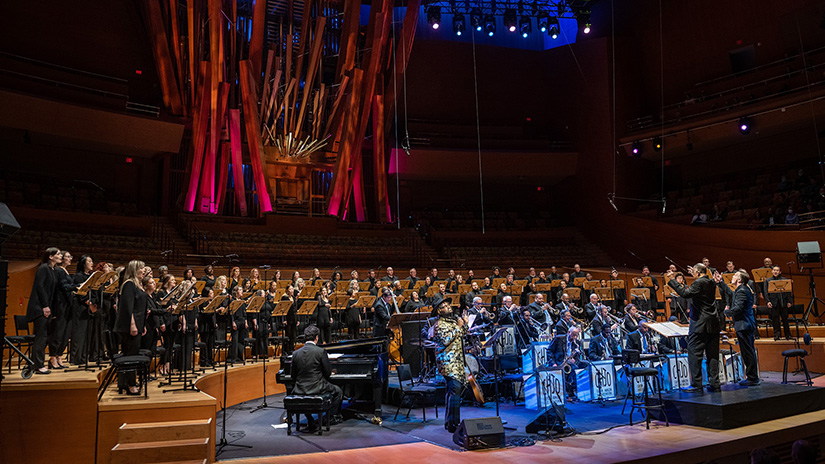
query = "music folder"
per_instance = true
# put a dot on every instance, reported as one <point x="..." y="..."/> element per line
<point x="669" y="329"/>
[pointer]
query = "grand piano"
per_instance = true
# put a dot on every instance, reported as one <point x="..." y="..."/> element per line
<point x="359" y="367"/>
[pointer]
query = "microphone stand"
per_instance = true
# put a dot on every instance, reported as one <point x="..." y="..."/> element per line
<point x="222" y="443"/>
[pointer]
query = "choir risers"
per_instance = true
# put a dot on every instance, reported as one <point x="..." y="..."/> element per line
<point x="161" y="451"/>
<point x="159" y="431"/>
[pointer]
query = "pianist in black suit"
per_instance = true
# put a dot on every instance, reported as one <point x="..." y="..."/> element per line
<point x="311" y="371"/>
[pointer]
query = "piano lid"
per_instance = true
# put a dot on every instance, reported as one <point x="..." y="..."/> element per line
<point x="363" y="345"/>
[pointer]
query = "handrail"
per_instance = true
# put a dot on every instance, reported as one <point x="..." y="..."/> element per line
<point x="63" y="68"/>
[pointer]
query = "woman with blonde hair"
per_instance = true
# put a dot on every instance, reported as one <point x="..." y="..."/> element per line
<point x="130" y="320"/>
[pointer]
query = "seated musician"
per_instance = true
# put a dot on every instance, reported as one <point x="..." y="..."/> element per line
<point x="641" y="340"/>
<point x="670" y="345"/>
<point x="482" y="316"/>
<point x="507" y="313"/>
<point x="602" y="318"/>
<point x="631" y="318"/>
<point x="603" y="345"/>
<point x="564" y="303"/>
<point x="311" y="371"/>
<point x="526" y="330"/>
<point x="565" y="323"/>
<point x="566" y="348"/>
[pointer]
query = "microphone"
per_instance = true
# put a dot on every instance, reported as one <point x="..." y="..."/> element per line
<point x="231" y="256"/>
<point x="165" y="252"/>
<point x="265" y="266"/>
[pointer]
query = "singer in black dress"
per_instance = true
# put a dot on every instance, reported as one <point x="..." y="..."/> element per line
<point x="130" y="320"/>
<point x="39" y="309"/>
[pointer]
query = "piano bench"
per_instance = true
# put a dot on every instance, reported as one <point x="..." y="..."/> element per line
<point x="307" y="404"/>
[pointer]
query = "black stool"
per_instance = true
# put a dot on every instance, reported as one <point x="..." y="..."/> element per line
<point x="307" y="404"/>
<point x="649" y="374"/>
<point x="796" y="353"/>
<point x="124" y="364"/>
<point x="249" y="342"/>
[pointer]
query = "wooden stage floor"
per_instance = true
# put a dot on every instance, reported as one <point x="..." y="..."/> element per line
<point x="29" y="408"/>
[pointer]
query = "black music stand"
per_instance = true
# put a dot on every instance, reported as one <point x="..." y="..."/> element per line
<point x="494" y="340"/>
<point x="89" y="325"/>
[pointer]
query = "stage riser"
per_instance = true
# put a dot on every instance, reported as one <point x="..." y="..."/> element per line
<point x="158" y="431"/>
<point x="737" y="407"/>
<point x="816" y="331"/>
<point x="243" y="384"/>
<point x="159" y="452"/>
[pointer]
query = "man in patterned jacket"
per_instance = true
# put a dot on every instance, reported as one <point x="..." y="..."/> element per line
<point x="448" y="335"/>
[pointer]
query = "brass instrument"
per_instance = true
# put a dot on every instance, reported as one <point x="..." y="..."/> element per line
<point x="567" y="365"/>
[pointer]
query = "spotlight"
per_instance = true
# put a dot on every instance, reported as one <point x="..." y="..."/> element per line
<point x="525" y="26"/>
<point x="475" y="19"/>
<point x="490" y="25"/>
<point x="541" y="21"/>
<point x="636" y="149"/>
<point x="458" y="24"/>
<point x="553" y="23"/>
<point x="434" y="16"/>
<point x="583" y="21"/>
<point x="657" y="144"/>
<point x="510" y="19"/>
<point x="745" y="125"/>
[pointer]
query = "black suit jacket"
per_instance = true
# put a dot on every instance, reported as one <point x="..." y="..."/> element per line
<point x="590" y="310"/>
<point x="42" y="293"/>
<point x="741" y="306"/>
<point x="702" y="293"/>
<point x="634" y="342"/>
<point x="382" y="313"/>
<point x="310" y="370"/>
<point x="597" y="347"/>
<point x="557" y="350"/>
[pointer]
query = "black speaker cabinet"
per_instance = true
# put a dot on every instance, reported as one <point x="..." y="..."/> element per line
<point x="550" y="419"/>
<point x="484" y="432"/>
<point x="808" y="252"/>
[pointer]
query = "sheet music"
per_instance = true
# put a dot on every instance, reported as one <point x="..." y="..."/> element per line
<point x="669" y="329"/>
<point x="472" y="319"/>
<point x="334" y="355"/>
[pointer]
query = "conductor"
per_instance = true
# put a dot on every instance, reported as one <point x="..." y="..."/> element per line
<point x="311" y="371"/>
<point x="703" y="334"/>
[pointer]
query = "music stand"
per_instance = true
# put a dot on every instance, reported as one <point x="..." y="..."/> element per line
<point x="575" y="293"/>
<point x="672" y="330"/>
<point x="92" y="284"/>
<point x="491" y="342"/>
<point x="579" y="281"/>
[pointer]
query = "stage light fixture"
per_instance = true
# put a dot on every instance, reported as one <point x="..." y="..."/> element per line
<point x="510" y="19"/>
<point x="553" y="23"/>
<point x="745" y="125"/>
<point x="434" y="16"/>
<point x="636" y="149"/>
<point x="490" y="25"/>
<point x="525" y="26"/>
<point x="475" y="19"/>
<point x="458" y="24"/>
<point x="583" y="21"/>
<point x="657" y="144"/>
<point x="541" y="21"/>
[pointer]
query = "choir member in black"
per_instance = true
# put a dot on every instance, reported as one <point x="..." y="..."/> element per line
<point x="762" y="288"/>
<point x="487" y="284"/>
<point x="208" y="276"/>
<point x="470" y="296"/>
<point x="61" y="310"/>
<point x="678" y="305"/>
<point x="413" y="303"/>
<point x="503" y="292"/>
<point x="577" y="272"/>
<point x="703" y="334"/>
<point x="390" y="277"/>
<point x="295" y="277"/>
<point x="163" y="271"/>
<point x="161" y="319"/>
<point x="130" y="321"/>
<point x="353" y="315"/>
<point x="264" y="325"/>
<point x="639" y="339"/>
<point x="336" y="277"/>
<point x="247" y="285"/>
<point x="397" y="288"/>
<point x="560" y="292"/>
<point x="434" y="274"/>
<point x="619" y="294"/>
<point x="299" y="287"/>
<point x="80" y="313"/>
<point x="235" y="277"/>
<point x="170" y="325"/>
<point x="496" y="274"/>
<point x="603" y="345"/>
<point x="149" y="340"/>
<point x="237" y="319"/>
<point x="39" y="309"/>
<point x="188" y="274"/>
<point x="277" y="276"/>
<point x="542" y="278"/>
<point x="254" y="278"/>
<point x="654" y="290"/>
<point x="440" y="295"/>
<point x="316" y="276"/>
<point x="189" y="330"/>
<point x="207" y="325"/>
<point x="532" y="276"/>
<point x="553" y="275"/>
<point x="412" y="278"/>
<point x="470" y="277"/>
<point x="643" y="304"/>
<point x="291" y="320"/>
<point x="527" y="290"/>
<point x="778" y="304"/>
<point x="323" y="316"/>
<point x="567" y="348"/>
<point x="428" y="281"/>
<point x="383" y="308"/>
<point x="631" y="318"/>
